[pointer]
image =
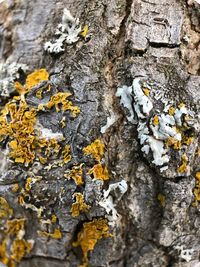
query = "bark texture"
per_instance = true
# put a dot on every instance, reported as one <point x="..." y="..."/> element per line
<point x="158" y="40"/>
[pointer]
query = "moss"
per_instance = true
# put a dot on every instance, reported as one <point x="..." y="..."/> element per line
<point x="89" y="236"/>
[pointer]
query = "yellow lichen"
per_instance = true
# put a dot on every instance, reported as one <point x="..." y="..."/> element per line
<point x="60" y="99"/>
<point x="89" y="236"/>
<point x="28" y="184"/>
<point x="181" y="105"/>
<point x="183" y="167"/>
<point x="13" y="247"/>
<point x="146" y="91"/>
<point x="95" y="149"/>
<point x="53" y="218"/>
<point x="55" y="235"/>
<point x="197" y="189"/>
<point x="32" y="80"/>
<point x="5" y="210"/>
<point x="188" y="140"/>
<point x="79" y="206"/>
<point x="172" y="142"/>
<point x="66" y="154"/>
<point x="85" y="31"/>
<point x="36" y="77"/>
<point x="39" y="93"/>
<point x="20" y="248"/>
<point x="171" y="111"/>
<point x="161" y="199"/>
<point x="76" y="173"/>
<point x="15" y="188"/>
<point x="155" y="120"/>
<point x="100" y="172"/>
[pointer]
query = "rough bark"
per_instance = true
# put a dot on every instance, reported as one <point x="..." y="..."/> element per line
<point x="155" y="39"/>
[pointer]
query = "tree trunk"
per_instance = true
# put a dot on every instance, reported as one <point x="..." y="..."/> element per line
<point x="137" y="64"/>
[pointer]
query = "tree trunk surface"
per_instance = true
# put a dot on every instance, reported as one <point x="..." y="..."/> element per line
<point x="156" y="221"/>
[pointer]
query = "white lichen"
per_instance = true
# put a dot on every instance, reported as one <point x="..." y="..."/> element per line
<point x="153" y="130"/>
<point x="107" y="201"/>
<point x="125" y="93"/>
<point x="67" y="32"/>
<point x="9" y="72"/>
<point x="47" y="133"/>
<point x="110" y="121"/>
<point x="185" y="254"/>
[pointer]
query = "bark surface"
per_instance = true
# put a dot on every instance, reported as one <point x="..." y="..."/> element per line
<point x="158" y="216"/>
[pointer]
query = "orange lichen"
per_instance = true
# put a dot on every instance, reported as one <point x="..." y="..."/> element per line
<point x="66" y="154"/>
<point x="32" y="80"/>
<point x="188" y="140"/>
<point x="89" y="236"/>
<point x="155" y="120"/>
<point x="20" y="248"/>
<point x="55" y="235"/>
<point x="171" y="111"/>
<point x="15" y="227"/>
<point x="76" y="173"/>
<point x="146" y="91"/>
<point x="36" y="77"/>
<point x="60" y="99"/>
<point x="17" y="121"/>
<point x="5" y="210"/>
<point x="197" y="189"/>
<point x="172" y="142"/>
<point x="183" y="167"/>
<point x="15" y="188"/>
<point x="13" y="247"/>
<point x="79" y="206"/>
<point x="28" y="184"/>
<point x="95" y="149"/>
<point x="100" y="172"/>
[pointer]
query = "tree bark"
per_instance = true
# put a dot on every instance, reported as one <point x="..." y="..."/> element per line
<point x="157" y="40"/>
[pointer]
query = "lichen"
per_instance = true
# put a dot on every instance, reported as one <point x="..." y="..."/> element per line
<point x="99" y="172"/>
<point x="89" y="235"/>
<point x="14" y="247"/>
<point x="76" y="173"/>
<point x="56" y="234"/>
<point x="79" y="206"/>
<point x="197" y="189"/>
<point x="183" y="168"/>
<point x="160" y="129"/>
<point x="95" y="149"/>
<point x="61" y="99"/>
<point x="67" y="31"/>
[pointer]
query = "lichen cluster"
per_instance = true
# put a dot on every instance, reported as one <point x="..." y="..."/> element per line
<point x="29" y="142"/>
<point x="163" y="130"/>
<point x="13" y="246"/>
<point x="90" y="233"/>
